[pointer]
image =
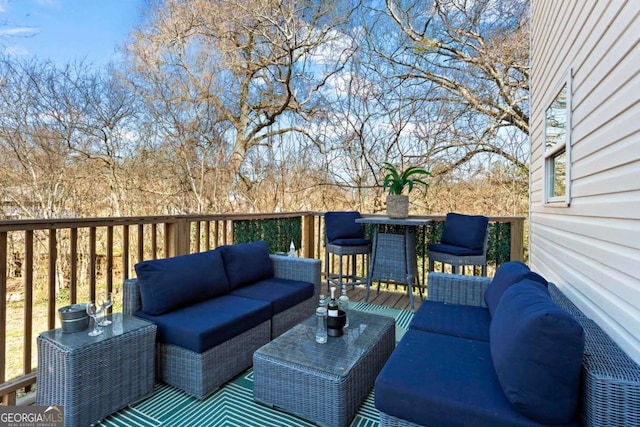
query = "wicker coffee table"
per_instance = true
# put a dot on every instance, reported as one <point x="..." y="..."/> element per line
<point x="92" y="377"/>
<point x="323" y="383"/>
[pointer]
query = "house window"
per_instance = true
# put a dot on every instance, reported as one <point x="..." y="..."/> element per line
<point x="557" y="147"/>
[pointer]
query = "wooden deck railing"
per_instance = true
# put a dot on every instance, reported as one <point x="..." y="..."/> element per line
<point x="46" y="264"/>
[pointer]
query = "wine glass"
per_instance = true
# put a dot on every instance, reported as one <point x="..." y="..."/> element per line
<point x="106" y="302"/>
<point x="94" y="312"/>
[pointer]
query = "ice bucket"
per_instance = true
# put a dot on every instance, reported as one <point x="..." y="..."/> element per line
<point x="74" y="318"/>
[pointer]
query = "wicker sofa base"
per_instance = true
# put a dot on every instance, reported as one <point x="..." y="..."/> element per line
<point x="200" y="374"/>
<point x="282" y="322"/>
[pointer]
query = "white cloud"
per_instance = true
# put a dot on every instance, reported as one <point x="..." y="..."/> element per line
<point x="3" y="5"/>
<point x="19" y="31"/>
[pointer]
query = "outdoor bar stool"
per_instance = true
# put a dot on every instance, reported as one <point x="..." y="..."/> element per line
<point x="345" y="237"/>
<point x="464" y="242"/>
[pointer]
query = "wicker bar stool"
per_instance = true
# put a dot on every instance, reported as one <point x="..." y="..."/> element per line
<point x="345" y="237"/>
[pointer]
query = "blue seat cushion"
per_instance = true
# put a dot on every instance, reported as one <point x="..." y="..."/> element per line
<point x="203" y="326"/>
<point x="438" y="380"/>
<point x="453" y="250"/>
<point x="467" y="231"/>
<point x="280" y="293"/>
<point x="342" y="225"/>
<point x="537" y="349"/>
<point x="463" y="321"/>
<point x="171" y="283"/>
<point x="507" y="275"/>
<point x="351" y="242"/>
<point x="247" y="263"/>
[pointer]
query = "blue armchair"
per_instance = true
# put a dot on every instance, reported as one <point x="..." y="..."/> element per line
<point x="464" y="242"/>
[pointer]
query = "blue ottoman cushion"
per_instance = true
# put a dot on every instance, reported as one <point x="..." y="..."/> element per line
<point x="465" y="230"/>
<point x="537" y="349"/>
<point x="247" y="263"/>
<point x="438" y="380"/>
<point x="282" y="294"/>
<point x="463" y="321"/>
<point x="203" y="326"/>
<point x="171" y="283"/>
<point x="507" y="275"/>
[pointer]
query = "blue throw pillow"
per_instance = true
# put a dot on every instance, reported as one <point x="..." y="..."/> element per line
<point x="342" y="225"/>
<point x="506" y="275"/>
<point x="167" y="284"/>
<point x="247" y="263"/>
<point x="467" y="231"/>
<point x="537" y="350"/>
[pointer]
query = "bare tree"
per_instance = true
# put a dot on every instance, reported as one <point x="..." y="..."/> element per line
<point x="476" y="54"/>
<point x="225" y="77"/>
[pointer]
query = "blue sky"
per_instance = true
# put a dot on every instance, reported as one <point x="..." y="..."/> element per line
<point x="66" y="30"/>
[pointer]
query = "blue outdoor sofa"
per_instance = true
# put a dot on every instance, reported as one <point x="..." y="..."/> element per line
<point x="508" y="351"/>
<point x="213" y="309"/>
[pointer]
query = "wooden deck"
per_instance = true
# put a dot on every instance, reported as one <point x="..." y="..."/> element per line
<point x="388" y="296"/>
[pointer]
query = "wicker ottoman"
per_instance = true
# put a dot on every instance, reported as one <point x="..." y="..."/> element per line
<point x="323" y="383"/>
<point x="92" y="377"/>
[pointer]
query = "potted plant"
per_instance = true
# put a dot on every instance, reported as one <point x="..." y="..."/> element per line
<point x="396" y="181"/>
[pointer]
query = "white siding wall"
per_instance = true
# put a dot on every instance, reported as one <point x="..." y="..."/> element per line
<point x="591" y="249"/>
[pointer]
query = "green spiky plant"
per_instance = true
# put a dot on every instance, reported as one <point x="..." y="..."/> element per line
<point x="397" y="182"/>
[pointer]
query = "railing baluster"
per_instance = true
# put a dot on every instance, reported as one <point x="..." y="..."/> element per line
<point x="73" y="276"/>
<point x="197" y="236"/>
<point x="154" y="240"/>
<point x="140" y="242"/>
<point x="92" y="264"/>
<point x="207" y="236"/>
<point x="3" y="304"/>
<point x="53" y="258"/>
<point x="28" y="300"/>
<point x="110" y="258"/>
<point x="125" y="251"/>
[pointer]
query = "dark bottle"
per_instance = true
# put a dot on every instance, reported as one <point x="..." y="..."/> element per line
<point x="333" y="304"/>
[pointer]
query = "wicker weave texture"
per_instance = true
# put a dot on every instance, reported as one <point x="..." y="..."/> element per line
<point x="457" y="289"/>
<point x="318" y="393"/>
<point x="200" y="374"/>
<point x="98" y="379"/>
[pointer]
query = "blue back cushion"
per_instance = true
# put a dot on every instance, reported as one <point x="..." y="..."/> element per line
<point x="537" y="350"/>
<point x="507" y="275"/>
<point x="247" y="263"/>
<point x="171" y="283"/>
<point x="342" y="225"/>
<point x="465" y="230"/>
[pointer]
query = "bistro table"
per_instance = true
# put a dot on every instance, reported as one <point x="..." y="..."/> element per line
<point x="393" y="254"/>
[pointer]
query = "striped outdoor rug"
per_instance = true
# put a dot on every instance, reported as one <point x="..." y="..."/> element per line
<point x="233" y="404"/>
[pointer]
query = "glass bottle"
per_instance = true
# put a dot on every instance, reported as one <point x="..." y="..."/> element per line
<point x="321" y="321"/>
<point x="343" y="304"/>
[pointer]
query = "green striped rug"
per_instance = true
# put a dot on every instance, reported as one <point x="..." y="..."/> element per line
<point x="233" y="404"/>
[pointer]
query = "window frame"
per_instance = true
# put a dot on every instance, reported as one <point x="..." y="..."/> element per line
<point x="551" y="153"/>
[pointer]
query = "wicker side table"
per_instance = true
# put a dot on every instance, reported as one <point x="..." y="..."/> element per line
<point x="92" y="377"/>
<point x="324" y="383"/>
